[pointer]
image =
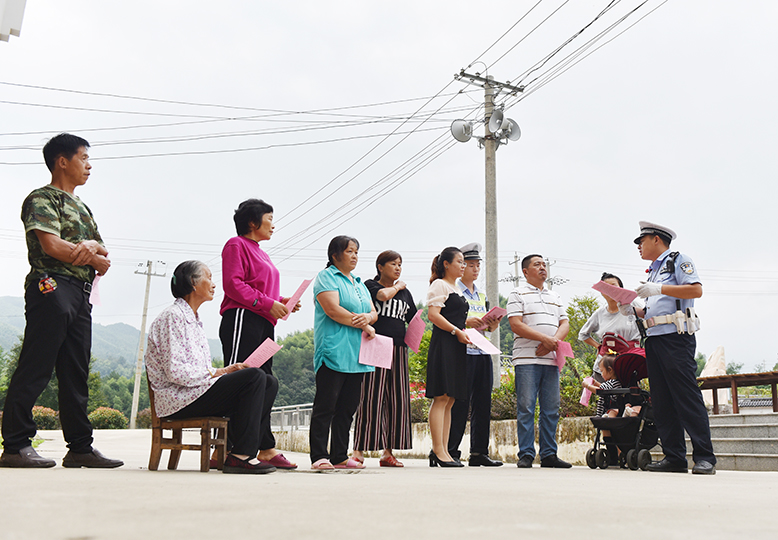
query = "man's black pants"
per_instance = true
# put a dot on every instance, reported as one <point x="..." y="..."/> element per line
<point x="677" y="400"/>
<point x="58" y="334"/>
<point x="479" y="388"/>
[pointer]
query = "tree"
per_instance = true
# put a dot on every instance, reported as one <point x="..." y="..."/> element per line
<point x="575" y="369"/>
<point x="293" y="367"/>
<point x="733" y="368"/>
<point x="701" y="360"/>
<point x="417" y="361"/>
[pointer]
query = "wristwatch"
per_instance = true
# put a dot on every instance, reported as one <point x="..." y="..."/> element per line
<point x="454" y="331"/>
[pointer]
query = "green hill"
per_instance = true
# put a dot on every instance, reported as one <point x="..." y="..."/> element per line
<point x="114" y="347"/>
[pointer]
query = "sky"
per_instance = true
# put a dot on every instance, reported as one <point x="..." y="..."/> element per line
<point x="191" y="109"/>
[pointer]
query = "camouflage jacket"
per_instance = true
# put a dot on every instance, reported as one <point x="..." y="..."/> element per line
<point x="51" y="210"/>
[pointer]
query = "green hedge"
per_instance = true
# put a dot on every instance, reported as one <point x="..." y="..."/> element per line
<point x="107" y="418"/>
<point x="45" y="418"/>
<point x="143" y="420"/>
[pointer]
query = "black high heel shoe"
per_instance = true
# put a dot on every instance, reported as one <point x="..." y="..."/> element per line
<point x="435" y="461"/>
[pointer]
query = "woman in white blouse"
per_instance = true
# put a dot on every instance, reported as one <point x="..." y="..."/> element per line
<point x="609" y="318"/>
<point x="447" y="354"/>
<point x="184" y="382"/>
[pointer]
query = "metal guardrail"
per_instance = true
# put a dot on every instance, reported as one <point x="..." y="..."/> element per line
<point x="291" y="417"/>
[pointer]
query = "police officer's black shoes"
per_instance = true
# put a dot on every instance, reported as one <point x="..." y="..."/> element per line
<point x="704" y="467"/>
<point x="482" y="460"/>
<point x="525" y="462"/>
<point x="667" y="466"/>
<point x="554" y="462"/>
<point x="27" y="458"/>
<point x="92" y="460"/>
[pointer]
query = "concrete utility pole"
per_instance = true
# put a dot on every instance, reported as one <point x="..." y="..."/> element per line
<point x="555" y="280"/>
<point x="490" y="143"/>
<point x="490" y="199"/>
<point x="139" y="365"/>
<point x="515" y="262"/>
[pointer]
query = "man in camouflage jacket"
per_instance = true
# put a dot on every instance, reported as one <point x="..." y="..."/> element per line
<point x="65" y="252"/>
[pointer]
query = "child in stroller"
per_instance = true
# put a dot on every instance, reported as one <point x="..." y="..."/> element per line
<point x="627" y="438"/>
<point x="608" y="405"/>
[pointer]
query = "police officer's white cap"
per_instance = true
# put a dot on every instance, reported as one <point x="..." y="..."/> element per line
<point x="646" y="227"/>
<point x="472" y="251"/>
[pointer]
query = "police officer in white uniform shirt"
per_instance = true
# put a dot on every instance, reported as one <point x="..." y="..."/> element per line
<point x="670" y="323"/>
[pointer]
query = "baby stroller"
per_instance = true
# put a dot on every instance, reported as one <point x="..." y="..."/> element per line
<point x="633" y="435"/>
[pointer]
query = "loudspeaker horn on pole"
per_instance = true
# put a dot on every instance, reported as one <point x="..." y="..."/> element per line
<point x="512" y="130"/>
<point x="496" y="121"/>
<point x="462" y="130"/>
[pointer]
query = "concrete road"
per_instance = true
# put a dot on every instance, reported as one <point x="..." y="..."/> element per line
<point x="417" y="501"/>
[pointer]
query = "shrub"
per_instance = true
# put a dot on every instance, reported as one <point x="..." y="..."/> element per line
<point x="106" y="418"/>
<point x="420" y="409"/>
<point x="504" y="398"/>
<point x="45" y="418"/>
<point x="143" y="420"/>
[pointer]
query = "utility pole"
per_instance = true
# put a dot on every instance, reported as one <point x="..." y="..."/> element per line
<point x="556" y="280"/>
<point x="515" y="262"/>
<point x="490" y="143"/>
<point x="139" y="365"/>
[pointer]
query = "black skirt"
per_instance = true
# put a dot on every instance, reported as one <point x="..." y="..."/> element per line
<point x="447" y="357"/>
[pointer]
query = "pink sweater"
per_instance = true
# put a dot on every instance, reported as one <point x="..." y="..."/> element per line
<point x="250" y="279"/>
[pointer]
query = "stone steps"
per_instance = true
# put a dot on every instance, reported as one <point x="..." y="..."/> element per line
<point x="742" y="442"/>
<point x="747" y="419"/>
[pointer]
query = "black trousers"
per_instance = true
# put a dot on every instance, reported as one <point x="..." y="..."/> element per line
<point x="479" y="390"/>
<point x="241" y="332"/>
<point x="677" y="400"/>
<point x="336" y="401"/>
<point x="58" y="334"/>
<point x="243" y="396"/>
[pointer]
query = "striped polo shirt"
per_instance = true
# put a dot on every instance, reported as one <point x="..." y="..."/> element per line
<point x="542" y="310"/>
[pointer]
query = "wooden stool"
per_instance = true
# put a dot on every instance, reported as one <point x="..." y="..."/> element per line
<point x="175" y="444"/>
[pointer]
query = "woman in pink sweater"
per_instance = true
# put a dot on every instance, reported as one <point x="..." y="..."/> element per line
<point x="252" y="303"/>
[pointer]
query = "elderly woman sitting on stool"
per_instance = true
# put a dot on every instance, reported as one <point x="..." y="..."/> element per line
<point x="186" y="385"/>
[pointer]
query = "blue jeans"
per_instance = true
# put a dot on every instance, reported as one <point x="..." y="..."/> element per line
<point x="537" y="383"/>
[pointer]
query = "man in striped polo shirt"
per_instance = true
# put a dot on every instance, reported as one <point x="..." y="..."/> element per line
<point x="538" y="322"/>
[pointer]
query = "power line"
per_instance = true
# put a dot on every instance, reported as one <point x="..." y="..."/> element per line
<point x="237" y="150"/>
<point x="217" y="105"/>
<point x="578" y="58"/>
<point x="266" y="131"/>
<point x="569" y="40"/>
<point x="529" y="33"/>
<point x="577" y="55"/>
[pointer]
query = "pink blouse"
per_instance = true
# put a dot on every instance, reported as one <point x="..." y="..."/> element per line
<point x="250" y="279"/>
<point x="178" y="359"/>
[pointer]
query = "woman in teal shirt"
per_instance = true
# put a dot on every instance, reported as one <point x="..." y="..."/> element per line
<point x="343" y="310"/>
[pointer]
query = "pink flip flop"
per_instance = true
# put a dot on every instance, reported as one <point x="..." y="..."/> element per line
<point x="280" y="462"/>
<point x="322" y="464"/>
<point x="350" y="464"/>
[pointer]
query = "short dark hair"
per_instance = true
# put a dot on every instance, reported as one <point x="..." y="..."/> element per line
<point x="383" y="258"/>
<point x="185" y="276"/>
<point x="666" y="239"/>
<point x="608" y="362"/>
<point x="525" y="262"/>
<point x="337" y="246"/>
<point x="438" y="268"/>
<point x="64" y="144"/>
<point x="250" y="211"/>
<point x="606" y="275"/>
